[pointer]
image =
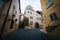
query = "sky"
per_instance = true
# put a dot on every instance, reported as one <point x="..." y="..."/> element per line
<point x="34" y="3"/>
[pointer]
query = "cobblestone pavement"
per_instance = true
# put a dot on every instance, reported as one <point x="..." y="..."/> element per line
<point x="27" y="34"/>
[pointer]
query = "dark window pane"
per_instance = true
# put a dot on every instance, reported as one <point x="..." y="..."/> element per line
<point x="31" y="17"/>
<point x="53" y="16"/>
<point x="15" y="19"/>
<point x="37" y="18"/>
<point x="11" y="25"/>
<point x="28" y="11"/>
<point x="49" y="3"/>
<point x="31" y="22"/>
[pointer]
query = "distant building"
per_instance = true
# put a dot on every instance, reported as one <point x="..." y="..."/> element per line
<point x="9" y="10"/>
<point x="33" y="16"/>
<point x="39" y="12"/>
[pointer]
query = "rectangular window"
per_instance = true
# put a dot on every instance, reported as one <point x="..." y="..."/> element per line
<point x="37" y="18"/>
<point x="30" y="12"/>
<point x="31" y="17"/>
<point x="53" y="16"/>
<point x="31" y="22"/>
<point x="11" y="25"/>
<point x="49" y="3"/>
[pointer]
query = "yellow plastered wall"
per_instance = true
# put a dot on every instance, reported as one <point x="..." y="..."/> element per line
<point x="55" y="7"/>
<point x="46" y="16"/>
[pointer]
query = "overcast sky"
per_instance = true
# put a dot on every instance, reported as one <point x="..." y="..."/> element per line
<point x="34" y="3"/>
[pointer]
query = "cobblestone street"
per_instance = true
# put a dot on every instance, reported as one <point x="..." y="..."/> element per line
<point x="27" y="34"/>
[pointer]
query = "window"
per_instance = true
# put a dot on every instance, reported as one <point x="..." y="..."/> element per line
<point x="49" y="3"/>
<point x="31" y="17"/>
<point x="37" y="14"/>
<point x="40" y="18"/>
<point x="11" y="25"/>
<point x="15" y="12"/>
<point x="30" y="12"/>
<point x="31" y="22"/>
<point x="37" y="18"/>
<point x="53" y="16"/>
<point x="15" y="19"/>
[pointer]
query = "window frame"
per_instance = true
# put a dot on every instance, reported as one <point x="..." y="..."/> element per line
<point x="53" y="17"/>
<point x="31" y="22"/>
<point x="30" y="12"/>
<point x="31" y="17"/>
<point x="49" y="3"/>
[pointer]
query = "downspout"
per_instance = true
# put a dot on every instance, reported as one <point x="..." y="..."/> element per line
<point x="20" y="13"/>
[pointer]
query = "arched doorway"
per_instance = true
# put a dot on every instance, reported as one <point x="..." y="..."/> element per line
<point x="24" y="23"/>
<point x="36" y="25"/>
<point x="22" y="26"/>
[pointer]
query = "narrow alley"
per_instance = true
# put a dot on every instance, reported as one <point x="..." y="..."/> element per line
<point x="29" y="19"/>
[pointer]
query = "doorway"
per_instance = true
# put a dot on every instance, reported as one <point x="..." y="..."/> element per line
<point x="36" y="25"/>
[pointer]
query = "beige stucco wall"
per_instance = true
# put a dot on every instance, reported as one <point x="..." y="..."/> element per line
<point x="7" y="28"/>
<point x="16" y="3"/>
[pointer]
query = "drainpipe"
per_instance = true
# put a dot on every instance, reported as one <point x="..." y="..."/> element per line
<point x="20" y="13"/>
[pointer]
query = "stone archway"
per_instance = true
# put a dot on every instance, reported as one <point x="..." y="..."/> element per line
<point x="24" y="23"/>
<point x="36" y="25"/>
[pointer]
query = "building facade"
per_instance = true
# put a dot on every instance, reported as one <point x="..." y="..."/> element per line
<point x="50" y="9"/>
<point x="10" y="10"/>
<point x="33" y="16"/>
<point x="51" y="16"/>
